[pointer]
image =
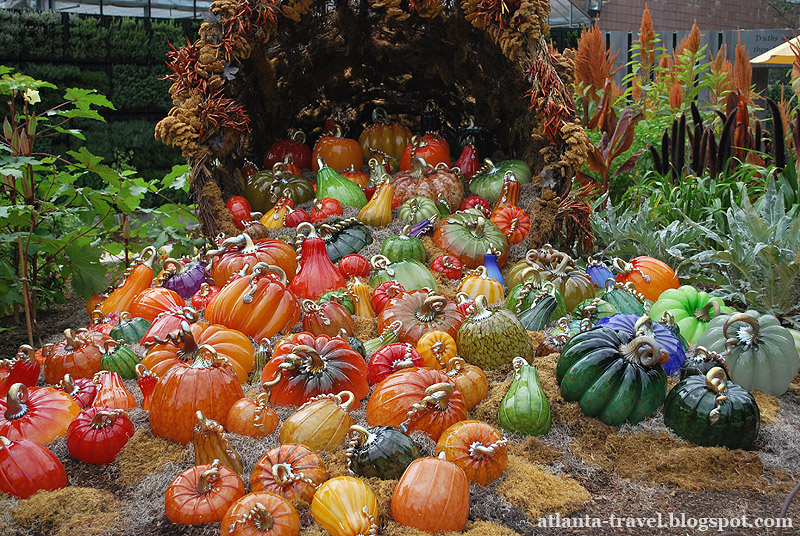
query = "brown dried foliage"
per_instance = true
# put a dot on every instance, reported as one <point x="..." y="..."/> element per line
<point x="145" y="453"/>
<point x="690" y="42"/>
<point x="68" y="511"/>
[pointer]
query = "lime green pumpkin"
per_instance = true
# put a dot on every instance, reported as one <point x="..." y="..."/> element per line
<point x="488" y="181"/>
<point x="612" y="375"/>
<point x="760" y="354"/>
<point x="119" y="358"/>
<point x="130" y="330"/>
<point x="417" y="209"/>
<point x="403" y="247"/>
<point x="491" y="338"/>
<point x="469" y="236"/>
<point x="331" y="184"/>
<point x="266" y="187"/>
<point x="343" y="237"/>
<point x="711" y="411"/>
<point x="691" y="310"/>
<point x="522" y="295"/>
<point x="411" y="274"/>
<point x="525" y="408"/>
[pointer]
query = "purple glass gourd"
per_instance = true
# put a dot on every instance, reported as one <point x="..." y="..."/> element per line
<point x="184" y="279"/>
<point x="663" y="336"/>
<point x="426" y="226"/>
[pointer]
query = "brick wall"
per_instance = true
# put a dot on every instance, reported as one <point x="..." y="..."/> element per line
<point x="626" y="15"/>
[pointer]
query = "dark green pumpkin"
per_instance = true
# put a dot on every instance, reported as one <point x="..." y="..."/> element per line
<point x="701" y="362"/>
<point x="624" y="298"/>
<point x="344" y="237"/>
<point x="488" y="181"/>
<point x="379" y="452"/>
<point x="692" y="411"/>
<point x="593" y="309"/>
<point x="411" y="274"/>
<point x="490" y="338"/>
<point x="403" y="247"/>
<point x="120" y="359"/>
<point x="340" y="297"/>
<point x="130" y="330"/>
<point x="522" y="295"/>
<point x="611" y="376"/>
<point x="541" y="311"/>
<point x="266" y="187"/>
<point x="525" y="408"/>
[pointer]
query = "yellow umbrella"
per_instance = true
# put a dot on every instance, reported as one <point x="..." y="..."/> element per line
<point x="780" y="55"/>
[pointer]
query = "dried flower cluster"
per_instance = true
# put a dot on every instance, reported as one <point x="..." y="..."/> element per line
<point x="594" y="64"/>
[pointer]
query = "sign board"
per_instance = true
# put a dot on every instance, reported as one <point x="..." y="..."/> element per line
<point x="756" y="42"/>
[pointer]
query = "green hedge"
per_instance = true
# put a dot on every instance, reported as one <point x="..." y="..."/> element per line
<point x="137" y="87"/>
<point x="87" y="38"/>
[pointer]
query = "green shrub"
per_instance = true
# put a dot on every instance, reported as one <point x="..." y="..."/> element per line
<point x="128" y="40"/>
<point x="87" y="38"/>
<point x="43" y="35"/>
<point x="11" y="31"/>
<point x="136" y="87"/>
<point x="164" y="33"/>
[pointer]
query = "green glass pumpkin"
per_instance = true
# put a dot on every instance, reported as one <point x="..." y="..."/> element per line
<point x="490" y="338"/>
<point x="541" y="311"/>
<point x="760" y="354"/>
<point x="340" y="297"/>
<point x="379" y="452"/>
<point x="390" y="335"/>
<point x="525" y="408"/>
<point x="266" y="187"/>
<point x="522" y="295"/>
<point x="711" y="411"/>
<point x="130" y="330"/>
<point x="625" y="298"/>
<point x="343" y="237"/>
<point x="612" y="375"/>
<point x="417" y="209"/>
<point x="119" y="358"/>
<point x="411" y="274"/>
<point x="488" y="181"/>
<point x="690" y="308"/>
<point x="468" y="235"/>
<point x="331" y="184"/>
<point x="403" y="247"/>
<point x="548" y="264"/>
<point x="593" y="309"/>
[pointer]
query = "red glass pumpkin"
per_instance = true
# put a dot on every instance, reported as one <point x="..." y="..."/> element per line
<point x="167" y="322"/>
<point x="650" y="276"/>
<point x="356" y="177"/>
<point x="421" y="311"/>
<point x="477" y="202"/>
<point x="303" y="366"/>
<point x="468" y="161"/>
<point x="261" y="514"/>
<point x="295" y="148"/>
<point x="100" y="322"/>
<point x="448" y="265"/>
<point x="79" y="355"/>
<point x="385" y="292"/>
<point x="240" y="208"/>
<point x="146" y="381"/>
<point x="354" y="265"/>
<point x="208" y="385"/>
<point x="202" y="494"/>
<point x="237" y="251"/>
<point x="24" y="369"/>
<point x="430" y="147"/>
<point x="416" y="399"/>
<point x="392" y="358"/>
<point x="27" y="467"/>
<point x="38" y="413"/>
<point x="97" y="435"/>
<point x="291" y="471"/>
<point x="513" y="222"/>
<point x="82" y="390"/>
<point x="204" y="296"/>
<point x="477" y="448"/>
<point x="317" y="273"/>
<point x="322" y="209"/>
<point x="327" y="318"/>
<point x="296" y="217"/>
<point x="259" y="305"/>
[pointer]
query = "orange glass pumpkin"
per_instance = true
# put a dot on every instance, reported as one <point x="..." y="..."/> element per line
<point x="432" y="495"/>
<point x="469" y="379"/>
<point x="183" y="346"/>
<point x="436" y="348"/>
<point x="167" y="322"/>
<point x="99" y="322"/>
<point x="238" y="251"/>
<point x="650" y="276"/>
<point x="384" y="136"/>
<point x="428" y="181"/>
<point x="416" y="399"/>
<point x="321" y="424"/>
<point x="509" y="194"/>
<point x="304" y="366"/>
<point x="419" y="312"/>
<point x="327" y="318"/>
<point x="337" y="151"/>
<point x="208" y="384"/>
<point x="202" y="494"/>
<point x="345" y="506"/>
<point x="261" y="514"/>
<point x="210" y="444"/>
<point x="252" y="417"/>
<point x="291" y="471"/>
<point x="431" y="147"/>
<point x="356" y="177"/>
<point x="138" y="278"/>
<point x="514" y="223"/>
<point x="477" y="448"/>
<point x="38" y="413"/>
<point x="146" y="381"/>
<point x="153" y="301"/>
<point x="27" y="467"/>
<point x="480" y="283"/>
<point x="78" y="355"/>
<point x="111" y="392"/>
<point x="259" y="305"/>
<point x="275" y="216"/>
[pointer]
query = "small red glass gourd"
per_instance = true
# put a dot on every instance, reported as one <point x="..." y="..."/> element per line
<point x="97" y="435"/>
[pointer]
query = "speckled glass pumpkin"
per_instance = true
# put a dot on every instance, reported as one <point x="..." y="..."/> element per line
<point x="420" y="312"/>
<point x="490" y="338"/>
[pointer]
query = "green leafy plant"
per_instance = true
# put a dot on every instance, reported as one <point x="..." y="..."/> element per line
<point x="87" y="38"/>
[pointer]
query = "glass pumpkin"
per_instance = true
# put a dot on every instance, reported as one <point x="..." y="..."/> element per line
<point x="430" y="180"/>
<point x="211" y="445"/>
<point x="488" y="181"/>
<point x="650" y="276"/>
<point x="339" y="153"/>
<point x="202" y="494"/>
<point x="252" y="417"/>
<point x="27" y="467"/>
<point x="385" y="136"/>
<point x="238" y="251"/>
<point x="402" y="247"/>
<point x="417" y="209"/>
<point x="525" y="408"/>
<point x="81" y="390"/>
<point x="291" y="471"/>
<point x="469" y="379"/>
<point x="691" y="310"/>
<point x="468" y="235"/>
<point x="129" y="329"/>
<point x="111" y="392"/>
<point x="410" y="274"/>
<point x="119" y="358"/>
<point x="645" y="325"/>
<point x="294" y="148"/>
<point x="344" y="237"/>
<point x="321" y="423"/>
<point x="392" y="358"/>
<point x="78" y="355"/>
<point x="419" y="312"/>
<point x="24" y="369"/>
<point x="379" y="452"/>
<point x="38" y="413"/>
<point x="185" y="279"/>
<point x="345" y="506"/>
<point x="490" y="338"/>
<point x="552" y="265"/>
<point x="477" y="448"/>
<point x="137" y="278"/>
<point x="436" y="349"/>
<point x="97" y="435"/>
<point x="327" y="318"/>
<point x="265" y="188"/>
<point x="480" y="283"/>
<point x="261" y="513"/>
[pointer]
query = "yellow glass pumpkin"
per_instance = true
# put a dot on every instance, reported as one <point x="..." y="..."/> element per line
<point x="436" y="349"/>
<point x="321" y="423"/>
<point x="345" y="506"/>
<point x="378" y="210"/>
<point x="480" y="283"/>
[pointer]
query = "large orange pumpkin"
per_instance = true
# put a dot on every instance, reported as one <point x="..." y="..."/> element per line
<point x="381" y="135"/>
<point x="259" y="305"/>
<point x="291" y="471"/>
<point x="477" y="448"/>
<point x="430" y="147"/>
<point x="202" y="494"/>
<point x="261" y="514"/>
<point x="208" y="384"/>
<point x="78" y="355"/>
<point x="238" y="251"/>
<point x="337" y="151"/>
<point x="153" y="301"/>
<point x="650" y="276"/>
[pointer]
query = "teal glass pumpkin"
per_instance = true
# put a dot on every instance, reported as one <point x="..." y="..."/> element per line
<point x="525" y="408"/>
<point x="522" y="295"/>
<point x="411" y="274"/>
<point x="331" y="184"/>
<point x="760" y="354"/>
<point x="469" y="236"/>
<point x="541" y="311"/>
<point x="403" y="247"/>
<point x="119" y="358"/>
<point x="379" y="452"/>
<point x="488" y="181"/>
<point x="417" y="209"/>
<point x="343" y="237"/>
<point x="593" y="309"/>
<point x="130" y="330"/>
<point x="711" y="411"/>
<point x="490" y="338"/>
<point x="612" y="375"/>
<point x="625" y="298"/>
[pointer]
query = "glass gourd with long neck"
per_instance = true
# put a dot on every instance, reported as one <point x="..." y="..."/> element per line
<point x="317" y="274"/>
<point x="331" y="184"/>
